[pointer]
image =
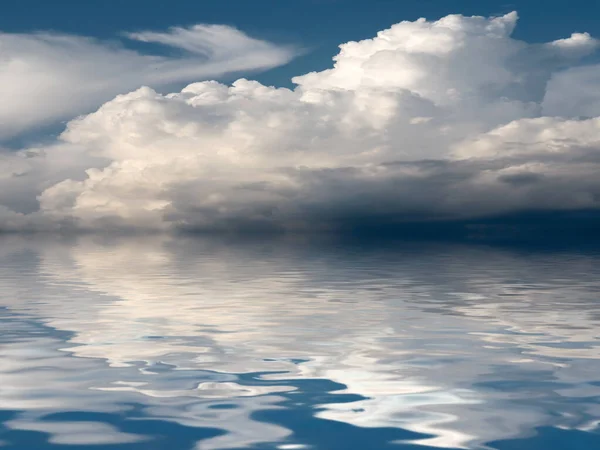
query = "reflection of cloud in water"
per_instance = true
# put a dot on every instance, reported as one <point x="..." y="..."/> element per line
<point x="466" y="344"/>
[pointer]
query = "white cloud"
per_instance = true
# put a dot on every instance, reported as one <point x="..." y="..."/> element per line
<point x="46" y="77"/>
<point x="440" y="119"/>
<point x="574" y="93"/>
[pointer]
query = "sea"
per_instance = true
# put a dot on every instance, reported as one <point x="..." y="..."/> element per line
<point x="297" y="342"/>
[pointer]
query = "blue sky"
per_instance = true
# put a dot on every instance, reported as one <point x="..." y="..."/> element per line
<point x="317" y="25"/>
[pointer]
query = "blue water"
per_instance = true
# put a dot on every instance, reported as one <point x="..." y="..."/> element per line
<point x="152" y="342"/>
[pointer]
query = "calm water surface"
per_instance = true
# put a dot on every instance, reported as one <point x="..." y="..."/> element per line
<point x="179" y="343"/>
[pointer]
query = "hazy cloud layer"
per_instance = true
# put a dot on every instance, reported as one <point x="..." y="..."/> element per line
<point x="427" y="120"/>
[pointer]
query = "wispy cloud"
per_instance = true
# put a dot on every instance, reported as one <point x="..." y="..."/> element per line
<point x="46" y="77"/>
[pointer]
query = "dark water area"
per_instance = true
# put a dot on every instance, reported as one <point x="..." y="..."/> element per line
<point x="141" y="343"/>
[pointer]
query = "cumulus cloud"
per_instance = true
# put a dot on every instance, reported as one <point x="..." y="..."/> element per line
<point x="428" y="120"/>
<point x="46" y="77"/>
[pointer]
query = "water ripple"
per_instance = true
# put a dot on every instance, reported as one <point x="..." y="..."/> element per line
<point x="182" y="343"/>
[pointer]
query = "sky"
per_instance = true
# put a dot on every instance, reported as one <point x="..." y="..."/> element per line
<point x="110" y="119"/>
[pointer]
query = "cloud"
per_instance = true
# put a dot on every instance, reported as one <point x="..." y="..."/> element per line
<point x="45" y="77"/>
<point x="429" y="120"/>
<point x="574" y="92"/>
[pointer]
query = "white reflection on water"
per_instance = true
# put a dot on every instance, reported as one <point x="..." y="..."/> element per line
<point x="467" y="344"/>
